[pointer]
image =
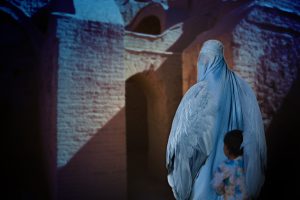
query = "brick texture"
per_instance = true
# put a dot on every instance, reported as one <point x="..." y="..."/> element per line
<point x="90" y="100"/>
<point x="265" y="52"/>
<point x="158" y="73"/>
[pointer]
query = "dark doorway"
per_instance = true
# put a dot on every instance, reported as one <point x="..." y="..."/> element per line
<point x="149" y="25"/>
<point x="137" y="137"/>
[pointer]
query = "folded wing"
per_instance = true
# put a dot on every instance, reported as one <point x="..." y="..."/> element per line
<point x="190" y="141"/>
<point x="255" y="148"/>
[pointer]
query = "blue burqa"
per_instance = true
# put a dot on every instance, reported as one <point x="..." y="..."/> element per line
<point x="220" y="101"/>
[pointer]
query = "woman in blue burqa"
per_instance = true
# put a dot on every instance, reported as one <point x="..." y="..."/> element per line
<point x="219" y="102"/>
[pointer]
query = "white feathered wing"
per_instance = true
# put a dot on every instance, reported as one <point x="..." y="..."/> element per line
<point x="190" y="141"/>
<point x="254" y="142"/>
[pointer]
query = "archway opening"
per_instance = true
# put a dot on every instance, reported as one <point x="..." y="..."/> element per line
<point x="136" y="136"/>
<point x="146" y="122"/>
<point x="149" y="25"/>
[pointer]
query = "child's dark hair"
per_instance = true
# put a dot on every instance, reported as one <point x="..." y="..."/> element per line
<point x="233" y="140"/>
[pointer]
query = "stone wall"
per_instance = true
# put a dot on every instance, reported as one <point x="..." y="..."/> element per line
<point x="90" y="81"/>
<point x="91" y="145"/>
<point x="156" y="43"/>
<point x="266" y="53"/>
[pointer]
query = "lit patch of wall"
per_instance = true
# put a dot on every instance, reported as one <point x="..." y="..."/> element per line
<point x="90" y="82"/>
<point x="148" y="52"/>
<point x="91" y="144"/>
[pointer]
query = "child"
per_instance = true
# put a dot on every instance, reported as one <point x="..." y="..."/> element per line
<point x="229" y="179"/>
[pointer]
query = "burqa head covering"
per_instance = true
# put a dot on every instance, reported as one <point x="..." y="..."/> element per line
<point x="209" y="59"/>
<point x="213" y="47"/>
<point x="219" y="102"/>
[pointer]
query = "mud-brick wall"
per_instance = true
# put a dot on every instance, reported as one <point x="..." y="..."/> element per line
<point x="91" y="153"/>
<point x="160" y="43"/>
<point x="266" y="52"/>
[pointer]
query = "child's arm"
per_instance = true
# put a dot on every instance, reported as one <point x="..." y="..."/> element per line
<point x="218" y="181"/>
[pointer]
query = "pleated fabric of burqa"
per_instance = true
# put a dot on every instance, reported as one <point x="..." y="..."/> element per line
<point x="219" y="102"/>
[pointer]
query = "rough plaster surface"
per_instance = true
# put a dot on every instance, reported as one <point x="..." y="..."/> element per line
<point x="265" y="48"/>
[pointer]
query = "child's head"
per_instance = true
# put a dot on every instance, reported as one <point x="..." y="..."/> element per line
<point x="232" y="143"/>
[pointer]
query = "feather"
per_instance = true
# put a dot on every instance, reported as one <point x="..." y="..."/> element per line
<point x="190" y="141"/>
<point x="219" y="102"/>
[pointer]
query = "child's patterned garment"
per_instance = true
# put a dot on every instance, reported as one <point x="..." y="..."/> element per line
<point x="229" y="180"/>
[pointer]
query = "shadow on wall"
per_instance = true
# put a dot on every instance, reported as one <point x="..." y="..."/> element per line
<point x="92" y="173"/>
<point x="136" y="137"/>
<point x="149" y="25"/>
<point x="146" y="132"/>
<point x="283" y="140"/>
<point x="204" y="19"/>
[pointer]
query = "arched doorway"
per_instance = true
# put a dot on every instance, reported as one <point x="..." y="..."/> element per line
<point x="137" y="135"/>
<point x="146" y="130"/>
<point x="149" y="25"/>
<point x="150" y="19"/>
